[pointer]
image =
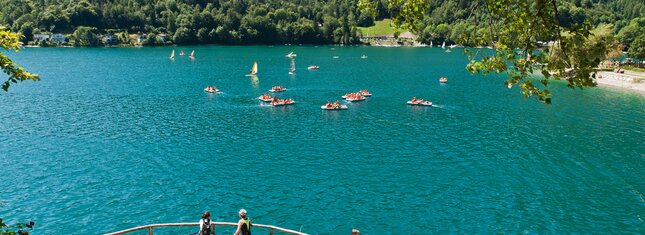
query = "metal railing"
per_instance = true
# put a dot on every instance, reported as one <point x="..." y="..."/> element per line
<point x="149" y="227"/>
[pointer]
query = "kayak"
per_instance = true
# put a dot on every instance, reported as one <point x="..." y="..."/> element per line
<point x="342" y="107"/>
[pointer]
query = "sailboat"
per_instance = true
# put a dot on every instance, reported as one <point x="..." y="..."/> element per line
<point x="254" y="69"/>
<point x="291" y="55"/>
<point x="443" y="45"/>
<point x="192" y="54"/>
<point x="292" y="68"/>
<point x="430" y="43"/>
<point x="172" y="55"/>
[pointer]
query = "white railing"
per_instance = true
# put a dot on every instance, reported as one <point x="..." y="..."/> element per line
<point x="149" y="227"/>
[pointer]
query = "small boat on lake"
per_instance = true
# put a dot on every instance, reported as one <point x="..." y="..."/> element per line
<point x="192" y="54"/>
<point x="265" y="98"/>
<point x="365" y="93"/>
<point x="282" y="102"/>
<point x="172" y="55"/>
<point x="443" y="79"/>
<point x="211" y="89"/>
<point x="419" y="102"/>
<point x="333" y="106"/>
<point x="335" y="57"/>
<point x="313" y="67"/>
<point x="277" y="89"/>
<point x="181" y="53"/>
<point x="254" y="69"/>
<point x="291" y="55"/>
<point x="354" y="97"/>
<point x="363" y="57"/>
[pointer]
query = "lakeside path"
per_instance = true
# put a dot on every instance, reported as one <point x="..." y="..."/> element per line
<point x="624" y="81"/>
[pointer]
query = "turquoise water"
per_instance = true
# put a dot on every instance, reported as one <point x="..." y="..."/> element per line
<point x="113" y="138"/>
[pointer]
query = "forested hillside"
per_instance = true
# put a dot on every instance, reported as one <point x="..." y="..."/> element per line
<point x="274" y="21"/>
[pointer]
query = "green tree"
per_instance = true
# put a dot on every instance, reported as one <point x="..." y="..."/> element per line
<point x="637" y="49"/>
<point x="86" y="36"/>
<point x="11" y="41"/>
<point x="17" y="229"/>
<point x="514" y="28"/>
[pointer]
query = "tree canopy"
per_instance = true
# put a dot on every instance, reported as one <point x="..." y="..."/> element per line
<point x="15" y="73"/>
<point x="578" y="32"/>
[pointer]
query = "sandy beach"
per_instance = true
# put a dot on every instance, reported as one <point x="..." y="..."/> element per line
<point x="630" y="80"/>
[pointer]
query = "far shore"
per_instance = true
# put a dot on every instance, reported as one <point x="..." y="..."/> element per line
<point x="630" y="80"/>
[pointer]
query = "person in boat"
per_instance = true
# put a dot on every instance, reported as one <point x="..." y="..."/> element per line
<point x="244" y="224"/>
<point x="356" y="232"/>
<point x="205" y="224"/>
<point x="414" y="99"/>
<point x="328" y="105"/>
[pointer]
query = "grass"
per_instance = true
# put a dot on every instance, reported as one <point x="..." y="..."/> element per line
<point x="380" y="27"/>
<point x="633" y="68"/>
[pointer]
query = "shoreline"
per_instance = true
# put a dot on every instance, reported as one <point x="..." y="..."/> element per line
<point x="623" y="81"/>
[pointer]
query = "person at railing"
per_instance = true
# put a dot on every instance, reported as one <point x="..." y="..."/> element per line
<point x="205" y="224"/>
<point x="244" y="225"/>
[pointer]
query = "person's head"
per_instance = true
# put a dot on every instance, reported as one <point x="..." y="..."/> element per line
<point x="206" y="215"/>
<point x="356" y="232"/>
<point x="242" y="213"/>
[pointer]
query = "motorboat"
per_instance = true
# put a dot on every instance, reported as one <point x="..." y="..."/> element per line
<point x="443" y="79"/>
<point x="312" y="67"/>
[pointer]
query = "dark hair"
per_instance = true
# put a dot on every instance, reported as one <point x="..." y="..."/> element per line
<point x="206" y="215"/>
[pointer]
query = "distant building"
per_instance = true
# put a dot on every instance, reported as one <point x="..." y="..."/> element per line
<point x="163" y="37"/>
<point x="140" y="38"/>
<point x="41" y="37"/>
<point x="58" y="38"/>
<point x="110" y="39"/>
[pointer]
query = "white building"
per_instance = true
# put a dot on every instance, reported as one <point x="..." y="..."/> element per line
<point x="140" y="38"/>
<point x="58" y="38"/>
<point x="41" y="37"/>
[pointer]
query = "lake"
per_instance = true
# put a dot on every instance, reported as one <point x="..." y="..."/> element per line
<point x="113" y="138"/>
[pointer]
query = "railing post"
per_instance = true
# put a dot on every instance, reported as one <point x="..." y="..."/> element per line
<point x="213" y="229"/>
<point x="150" y="230"/>
<point x="271" y="231"/>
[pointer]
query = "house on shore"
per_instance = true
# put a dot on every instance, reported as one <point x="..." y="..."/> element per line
<point x="41" y="37"/>
<point x="140" y="38"/>
<point x="110" y="39"/>
<point x="58" y="38"/>
<point x="163" y="37"/>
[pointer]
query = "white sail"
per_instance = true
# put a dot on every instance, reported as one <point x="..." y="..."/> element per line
<point x="292" y="68"/>
<point x="443" y="45"/>
<point x="172" y="54"/>
<point x="254" y="69"/>
<point x="430" y="43"/>
<point x="192" y="54"/>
